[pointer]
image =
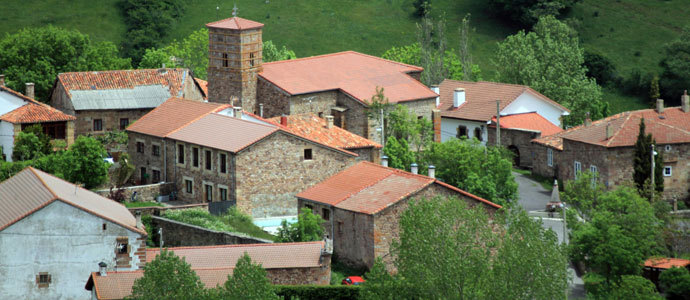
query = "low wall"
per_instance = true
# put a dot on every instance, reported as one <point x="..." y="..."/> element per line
<point x="147" y="192"/>
<point x="177" y="234"/>
<point x="158" y="210"/>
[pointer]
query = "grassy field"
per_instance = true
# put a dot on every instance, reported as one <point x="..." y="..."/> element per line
<point x="233" y="221"/>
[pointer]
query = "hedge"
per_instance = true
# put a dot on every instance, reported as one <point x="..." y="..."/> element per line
<point x="317" y="292"/>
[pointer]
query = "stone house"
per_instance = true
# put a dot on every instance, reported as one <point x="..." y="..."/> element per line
<point x="339" y="84"/>
<point x="111" y="100"/>
<point x="362" y="206"/>
<point x="468" y="108"/>
<point x="606" y="147"/>
<point x="325" y="132"/>
<point x="19" y="111"/>
<point x="53" y="234"/>
<point x="285" y="263"/>
<point x="517" y="133"/>
<point x="215" y="153"/>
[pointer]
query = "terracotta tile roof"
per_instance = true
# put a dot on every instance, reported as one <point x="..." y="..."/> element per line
<point x="666" y="263"/>
<point x="369" y="188"/>
<point x="30" y="190"/>
<point x="670" y="127"/>
<point x="480" y="98"/>
<point x="356" y="74"/>
<point x="203" y="85"/>
<point x="236" y="23"/>
<point x="160" y="121"/>
<point x="311" y="126"/>
<point x="33" y="111"/>
<point x="529" y="121"/>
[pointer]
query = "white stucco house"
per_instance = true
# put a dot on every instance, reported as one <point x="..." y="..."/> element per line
<point x="53" y="234"/>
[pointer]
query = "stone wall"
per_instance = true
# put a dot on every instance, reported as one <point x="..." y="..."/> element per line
<point x="111" y="119"/>
<point x="275" y="101"/>
<point x="299" y="276"/>
<point x="540" y="159"/>
<point x="178" y="234"/>
<point x="157" y="210"/>
<point x="147" y="192"/>
<point x="200" y="176"/>
<point x="148" y="160"/>
<point x="60" y="100"/>
<point x="370" y="154"/>
<point x="317" y="103"/>
<point x="356" y="120"/>
<point x="516" y="139"/>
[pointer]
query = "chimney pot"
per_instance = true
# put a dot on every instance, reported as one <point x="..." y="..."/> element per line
<point x="609" y="131"/>
<point x="414" y="168"/>
<point x="384" y="161"/>
<point x="30" y="90"/>
<point x="237" y="112"/>
<point x="432" y="171"/>
<point x="283" y="120"/>
<point x="588" y="120"/>
<point x="458" y="97"/>
<point x="436" y="89"/>
<point x="329" y="121"/>
<point x="137" y="216"/>
<point x="659" y="105"/>
<point x="261" y="110"/>
<point x="102" y="268"/>
<point x="685" y="102"/>
<point x="2" y="79"/>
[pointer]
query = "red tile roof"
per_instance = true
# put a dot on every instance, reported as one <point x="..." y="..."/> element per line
<point x="666" y="263"/>
<point x="311" y="126"/>
<point x="480" y="98"/>
<point x="236" y="23"/>
<point x="123" y="79"/>
<point x="670" y="127"/>
<point x="33" y="111"/>
<point x="203" y="85"/>
<point x="356" y="74"/>
<point x="161" y="123"/>
<point x="369" y="188"/>
<point x="529" y="121"/>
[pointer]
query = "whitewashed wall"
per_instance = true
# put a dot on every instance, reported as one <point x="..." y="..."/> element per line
<point x="62" y="240"/>
<point x="527" y="102"/>
<point x="449" y="128"/>
<point x="7" y="139"/>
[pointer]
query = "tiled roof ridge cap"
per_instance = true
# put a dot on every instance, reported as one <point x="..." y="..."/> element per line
<point x="235" y="246"/>
<point x="35" y="173"/>
<point x="195" y="119"/>
<point x="116" y="71"/>
<point x="343" y="53"/>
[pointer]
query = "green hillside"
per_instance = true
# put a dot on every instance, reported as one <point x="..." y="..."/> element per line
<point x="629" y="32"/>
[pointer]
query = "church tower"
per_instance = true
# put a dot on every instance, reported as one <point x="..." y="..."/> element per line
<point x="234" y="60"/>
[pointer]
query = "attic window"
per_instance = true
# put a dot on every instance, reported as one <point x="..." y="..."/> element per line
<point x="105" y="226"/>
<point x="43" y="279"/>
<point x="307" y="154"/>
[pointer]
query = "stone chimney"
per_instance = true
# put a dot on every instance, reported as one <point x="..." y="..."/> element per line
<point x="2" y="79"/>
<point x="414" y="168"/>
<point x="435" y="88"/>
<point x="432" y="171"/>
<point x="684" y="100"/>
<point x="384" y="161"/>
<point x="588" y="120"/>
<point x="237" y="112"/>
<point x="29" y="90"/>
<point x="102" y="269"/>
<point x="329" y="122"/>
<point x="660" y="105"/>
<point x="261" y="110"/>
<point x="137" y="216"/>
<point x="609" y="131"/>
<point x="283" y="120"/>
<point x="458" y="97"/>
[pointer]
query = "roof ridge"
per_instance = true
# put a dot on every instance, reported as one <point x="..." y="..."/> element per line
<point x="115" y="71"/>
<point x="341" y="53"/>
<point x="616" y="130"/>
<point x="366" y="186"/>
<point x="55" y="196"/>
<point x="191" y="121"/>
<point x="236" y="246"/>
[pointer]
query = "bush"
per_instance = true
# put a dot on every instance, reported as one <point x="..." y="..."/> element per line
<point x="600" y="68"/>
<point x="317" y="292"/>
<point x="595" y="284"/>
<point x="308" y="228"/>
<point x="675" y="282"/>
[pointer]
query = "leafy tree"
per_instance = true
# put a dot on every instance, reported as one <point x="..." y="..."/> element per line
<point x="642" y="162"/>
<point x="148" y="22"/>
<point x="411" y="55"/>
<point x="248" y="281"/>
<point x="528" y="12"/>
<point x="654" y="89"/>
<point x="167" y="277"/>
<point x="308" y="228"/>
<point x="399" y="154"/>
<point x="550" y="60"/>
<point x="421" y="7"/>
<point x="583" y="193"/>
<point x="379" y="285"/>
<point x="84" y="162"/>
<point x="634" y="287"/>
<point x="271" y="52"/>
<point x="38" y="54"/>
<point x="404" y="125"/>
<point x="622" y="232"/>
<point x="27" y="146"/>
<point x="676" y="67"/>
<point x="600" y="68"/>
<point x="675" y="283"/>
<point x="44" y="139"/>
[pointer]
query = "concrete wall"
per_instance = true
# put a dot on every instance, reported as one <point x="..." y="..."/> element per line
<point x="65" y="242"/>
<point x="528" y="102"/>
<point x="178" y="234"/>
<point x="449" y="129"/>
<point x="6" y="139"/>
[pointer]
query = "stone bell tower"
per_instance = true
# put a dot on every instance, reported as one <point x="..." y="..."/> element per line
<point x="234" y="60"/>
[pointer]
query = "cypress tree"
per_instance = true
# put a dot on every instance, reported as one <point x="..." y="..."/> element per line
<point x="642" y="163"/>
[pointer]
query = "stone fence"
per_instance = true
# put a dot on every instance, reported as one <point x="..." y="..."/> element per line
<point x="177" y="234"/>
<point x="147" y="192"/>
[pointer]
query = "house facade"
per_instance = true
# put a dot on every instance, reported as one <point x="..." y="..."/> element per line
<point x="53" y="234"/>
<point x="19" y="111"/>
<point x="215" y="153"/>
<point x="338" y="84"/>
<point x="111" y="100"/>
<point x="606" y="147"/>
<point x="362" y="205"/>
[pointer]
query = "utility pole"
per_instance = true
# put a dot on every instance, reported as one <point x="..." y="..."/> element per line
<point x="651" y="194"/>
<point x="498" y="123"/>
<point x="383" y="139"/>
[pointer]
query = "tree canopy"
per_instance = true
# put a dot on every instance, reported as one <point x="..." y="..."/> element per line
<point x="550" y="60"/>
<point x="676" y="67"/>
<point x="306" y="229"/>
<point x="27" y="146"/>
<point x="528" y="12"/>
<point x="84" y="162"/>
<point x="248" y="282"/>
<point x="642" y="163"/>
<point x="167" y="277"/>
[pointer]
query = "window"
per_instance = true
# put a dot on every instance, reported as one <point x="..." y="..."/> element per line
<point x="55" y="130"/>
<point x="97" y="124"/>
<point x="180" y="154"/>
<point x="155" y="150"/>
<point x="140" y="147"/>
<point x="122" y="246"/>
<point x="43" y="279"/>
<point x="478" y="133"/>
<point x="307" y="154"/>
<point x="105" y="226"/>
<point x="195" y="157"/>
<point x="189" y="186"/>
<point x="251" y="59"/>
<point x="222" y="194"/>
<point x="124" y="122"/>
<point x="668" y="171"/>
<point x="462" y="132"/>
<point x="155" y="176"/>
<point x="209" y="192"/>
<point x="578" y="169"/>
<point x="326" y="213"/>
<point x="208" y="159"/>
<point x="144" y="175"/>
<point x="223" y="163"/>
<point x="549" y="157"/>
<point x="225" y="60"/>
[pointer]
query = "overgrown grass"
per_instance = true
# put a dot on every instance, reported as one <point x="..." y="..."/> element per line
<point x="232" y="221"/>
<point x="142" y="204"/>
<point x="620" y="103"/>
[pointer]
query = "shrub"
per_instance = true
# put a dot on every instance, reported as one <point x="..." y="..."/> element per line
<point x="317" y="292"/>
<point x="675" y="282"/>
